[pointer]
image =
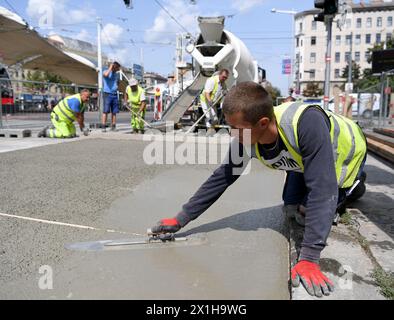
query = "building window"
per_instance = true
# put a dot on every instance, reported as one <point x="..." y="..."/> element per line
<point x="367" y="55"/>
<point x="300" y="75"/>
<point x="378" y="38"/>
<point x="348" y="39"/>
<point x="337" y="75"/>
<point x="369" y="22"/>
<point x="302" y="42"/>
<point x="358" y="24"/>
<point x="298" y="42"/>
<point x="312" y="74"/>
<point x="389" y="36"/>
<point x="314" y="25"/>
<point x="313" y="57"/>
<point x="313" y="41"/>
<point x="348" y="23"/>
<point x="389" y="21"/>
<point x="338" y="40"/>
<point x="358" y="39"/>
<point x="368" y="38"/>
<point x="379" y="22"/>
<point x="300" y="27"/>
<point x="337" y="57"/>
<point x="357" y="56"/>
<point x="347" y="56"/>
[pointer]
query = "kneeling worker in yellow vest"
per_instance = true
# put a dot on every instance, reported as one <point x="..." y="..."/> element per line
<point x="135" y="98"/>
<point x="64" y="114"/>
<point x="322" y="152"/>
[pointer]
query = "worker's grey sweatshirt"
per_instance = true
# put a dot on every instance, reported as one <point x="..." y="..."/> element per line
<point x="319" y="175"/>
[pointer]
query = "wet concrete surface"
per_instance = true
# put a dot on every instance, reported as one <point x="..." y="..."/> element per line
<point x="105" y="184"/>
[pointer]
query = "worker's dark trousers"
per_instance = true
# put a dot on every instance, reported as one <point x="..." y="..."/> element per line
<point x="295" y="191"/>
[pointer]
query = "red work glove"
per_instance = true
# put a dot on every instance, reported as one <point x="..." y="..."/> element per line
<point x="165" y="226"/>
<point x="313" y="280"/>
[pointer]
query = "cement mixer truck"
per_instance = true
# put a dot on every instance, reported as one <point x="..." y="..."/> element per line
<point x="213" y="49"/>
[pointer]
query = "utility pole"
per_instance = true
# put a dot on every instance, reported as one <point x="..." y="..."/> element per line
<point x="328" y="10"/>
<point x="386" y="99"/>
<point x="142" y="64"/>
<point x="179" y="64"/>
<point x="293" y="13"/>
<point x="100" y="96"/>
<point x="328" y="62"/>
<point x="298" y="89"/>
<point x="349" y="87"/>
<point x="350" y="61"/>
<point x="382" y="76"/>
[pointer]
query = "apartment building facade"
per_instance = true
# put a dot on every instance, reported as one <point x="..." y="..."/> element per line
<point x="369" y="23"/>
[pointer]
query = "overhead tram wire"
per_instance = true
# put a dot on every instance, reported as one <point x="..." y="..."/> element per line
<point x="171" y="16"/>
<point x="12" y="8"/>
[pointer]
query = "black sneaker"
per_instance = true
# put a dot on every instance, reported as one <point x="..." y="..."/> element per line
<point x="43" y="132"/>
<point x="113" y="128"/>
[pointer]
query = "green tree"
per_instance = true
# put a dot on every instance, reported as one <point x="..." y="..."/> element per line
<point x="312" y="90"/>
<point x="356" y="74"/>
<point x="44" y="76"/>
<point x="35" y="77"/>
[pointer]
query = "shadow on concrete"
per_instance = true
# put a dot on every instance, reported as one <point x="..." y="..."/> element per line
<point x="378" y="176"/>
<point x="378" y="206"/>
<point x="252" y="220"/>
<point x="375" y="205"/>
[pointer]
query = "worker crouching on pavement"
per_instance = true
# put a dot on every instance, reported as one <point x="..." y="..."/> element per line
<point x="64" y="114"/>
<point x="323" y="154"/>
<point x="135" y="98"/>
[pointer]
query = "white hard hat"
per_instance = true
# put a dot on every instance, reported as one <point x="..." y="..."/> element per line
<point x="133" y="82"/>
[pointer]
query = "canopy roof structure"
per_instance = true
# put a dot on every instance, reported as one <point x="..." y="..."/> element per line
<point x="21" y="44"/>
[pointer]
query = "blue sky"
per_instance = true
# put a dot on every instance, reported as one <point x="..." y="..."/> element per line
<point x="147" y="26"/>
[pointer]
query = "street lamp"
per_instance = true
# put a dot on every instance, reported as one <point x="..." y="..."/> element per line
<point x="293" y="13"/>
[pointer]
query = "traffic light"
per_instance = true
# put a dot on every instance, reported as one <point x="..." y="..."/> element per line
<point x="327" y="7"/>
<point x="128" y="3"/>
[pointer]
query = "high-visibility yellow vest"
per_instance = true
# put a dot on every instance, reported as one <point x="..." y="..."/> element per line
<point x="348" y="141"/>
<point x="134" y="98"/>
<point x="64" y="112"/>
<point x="203" y="98"/>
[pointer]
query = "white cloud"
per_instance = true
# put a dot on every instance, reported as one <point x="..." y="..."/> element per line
<point x="123" y="56"/>
<point x="111" y="34"/>
<point x="245" y="5"/>
<point x="49" y="13"/>
<point x="84" y="35"/>
<point x="164" y="28"/>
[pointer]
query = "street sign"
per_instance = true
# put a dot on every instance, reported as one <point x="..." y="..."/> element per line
<point x="349" y="87"/>
<point x="382" y="60"/>
<point x="138" y="71"/>
<point x="286" y="66"/>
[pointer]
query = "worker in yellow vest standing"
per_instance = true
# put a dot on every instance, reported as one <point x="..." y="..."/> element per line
<point x="135" y="97"/>
<point x="64" y="114"/>
<point x="214" y="88"/>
